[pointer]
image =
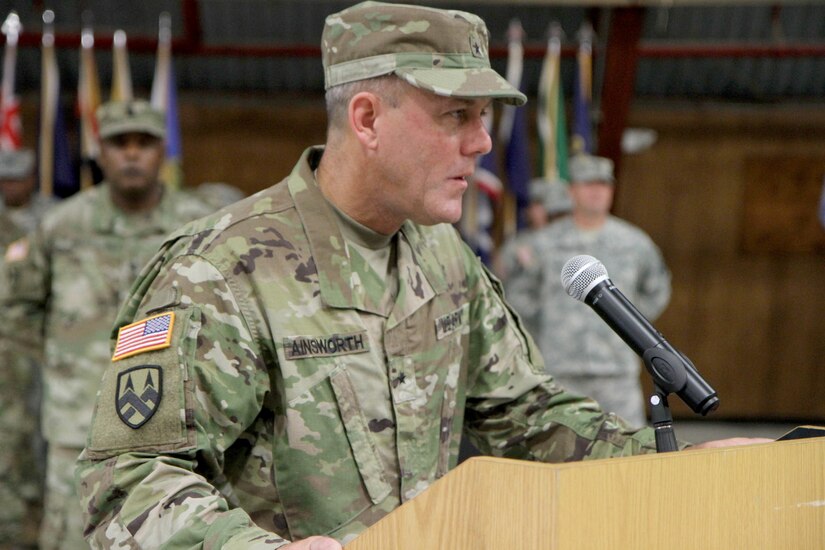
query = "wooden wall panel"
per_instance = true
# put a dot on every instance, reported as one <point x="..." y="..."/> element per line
<point x="251" y="141"/>
<point x="749" y="318"/>
<point x="781" y="206"/>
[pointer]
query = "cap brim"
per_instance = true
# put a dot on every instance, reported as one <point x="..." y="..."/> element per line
<point x="130" y="128"/>
<point x="469" y="83"/>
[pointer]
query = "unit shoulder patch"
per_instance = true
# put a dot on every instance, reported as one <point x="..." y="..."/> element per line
<point x="139" y="390"/>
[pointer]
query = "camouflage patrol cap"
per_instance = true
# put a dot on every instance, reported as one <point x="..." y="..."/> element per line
<point x="552" y="194"/>
<point x="585" y="167"/>
<point x="16" y="165"/>
<point x="123" y="117"/>
<point x="441" y="51"/>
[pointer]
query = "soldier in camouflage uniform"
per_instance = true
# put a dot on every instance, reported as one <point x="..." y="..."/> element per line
<point x="22" y="205"/>
<point x="517" y="263"/>
<point x="306" y="360"/>
<point x="579" y="349"/>
<point x="66" y="283"/>
<point x="21" y="454"/>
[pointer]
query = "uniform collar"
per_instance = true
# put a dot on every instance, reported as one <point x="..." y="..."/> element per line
<point x="108" y="218"/>
<point x="327" y="243"/>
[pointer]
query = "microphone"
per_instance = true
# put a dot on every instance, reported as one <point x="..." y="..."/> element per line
<point x="585" y="279"/>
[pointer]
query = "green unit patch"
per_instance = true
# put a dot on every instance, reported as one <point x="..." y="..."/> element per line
<point x="139" y="390"/>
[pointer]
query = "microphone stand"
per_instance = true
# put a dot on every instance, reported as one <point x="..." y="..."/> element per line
<point x="662" y="421"/>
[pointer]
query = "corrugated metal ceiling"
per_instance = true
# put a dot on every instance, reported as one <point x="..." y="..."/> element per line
<point x="297" y="24"/>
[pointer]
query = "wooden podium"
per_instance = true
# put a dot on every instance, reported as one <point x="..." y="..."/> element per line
<point x="768" y="496"/>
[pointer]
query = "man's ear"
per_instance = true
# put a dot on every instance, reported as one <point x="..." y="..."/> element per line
<point x="363" y="111"/>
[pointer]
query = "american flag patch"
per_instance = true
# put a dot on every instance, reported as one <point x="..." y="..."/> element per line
<point x="151" y="333"/>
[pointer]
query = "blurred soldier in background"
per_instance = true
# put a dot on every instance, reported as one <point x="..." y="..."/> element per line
<point x="22" y="453"/>
<point x="517" y="264"/>
<point x="579" y="348"/>
<point x="21" y="204"/>
<point x="67" y="281"/>
<point x="218" y="194"/>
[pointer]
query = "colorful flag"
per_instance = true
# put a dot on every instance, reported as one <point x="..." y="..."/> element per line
<point x="165" y="99"/>
<point x="88" y="100"/>
<point x="56" y="170"/>
<point x="550" y="117"/>
<point x="513" y="133"/>
<point x="149" y="334"/>
<point x="121" y="73"/>
<point x="582" y="140"/>
<point x="11" y="129"/>
<point x="480" y="201"/>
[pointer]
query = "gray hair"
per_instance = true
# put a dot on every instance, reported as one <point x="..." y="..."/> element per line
<point x="387" y="87"/>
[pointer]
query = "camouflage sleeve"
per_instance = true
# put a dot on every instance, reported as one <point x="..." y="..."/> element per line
<point x="24" y="293"/>
<point x="654" y="283"/>
<point x="515" y="410"/>
<point x="167" y="482"/>
<point x="504" y="261"/>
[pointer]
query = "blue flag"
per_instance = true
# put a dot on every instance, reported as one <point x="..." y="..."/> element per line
<point x="517" y="163"/>
<point x="480" y="201"/>
<point x="582" y="139"/>
<point x="65" y="176"/>
<point x="56" y="174"/>
<point x="513" y="131"/>
<point x="165" y="99"/>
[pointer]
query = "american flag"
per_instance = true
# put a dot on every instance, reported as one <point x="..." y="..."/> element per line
<point x="148" y="334"/>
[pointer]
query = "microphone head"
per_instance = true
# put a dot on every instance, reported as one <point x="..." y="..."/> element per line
<point x="580" y="274"/>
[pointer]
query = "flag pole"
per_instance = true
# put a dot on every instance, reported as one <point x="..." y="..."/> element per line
<point x="49" y="92"/>
<point x="88" y="98"/>
<point x="121" y="72"/>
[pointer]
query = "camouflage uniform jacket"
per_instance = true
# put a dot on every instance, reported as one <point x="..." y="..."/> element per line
<point x="64" y="293"/>
<point x="573" y="339"/>
<point x="289" y="405"/>
<point x="26" y="218"/>
<point x="521" y="274"/>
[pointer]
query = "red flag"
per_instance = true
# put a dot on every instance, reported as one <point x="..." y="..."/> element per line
<point x="11" y="129"/>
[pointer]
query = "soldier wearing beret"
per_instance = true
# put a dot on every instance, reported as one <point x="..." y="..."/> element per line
<point x="579" y="349"/>
<point x="67" y="280"/>
<point x="306" y="360"/>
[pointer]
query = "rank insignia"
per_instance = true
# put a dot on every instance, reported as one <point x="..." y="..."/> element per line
<point x="139" y="390"/>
